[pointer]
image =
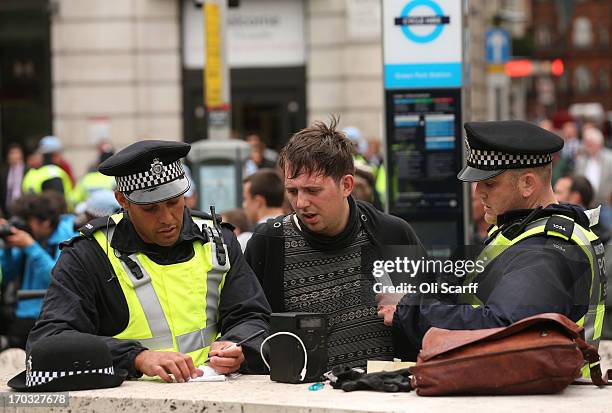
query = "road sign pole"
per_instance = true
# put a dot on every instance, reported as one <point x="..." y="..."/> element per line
<point x="216" y="72"/>
<point x="423" y="80"/>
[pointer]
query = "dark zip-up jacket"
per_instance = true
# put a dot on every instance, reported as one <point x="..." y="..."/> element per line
<point x="265" y="251"/>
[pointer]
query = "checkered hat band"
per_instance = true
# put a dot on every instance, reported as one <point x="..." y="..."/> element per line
<point x="35" y="378"/>
<point x="151" y="178"/>
<point x="492" y="160"/>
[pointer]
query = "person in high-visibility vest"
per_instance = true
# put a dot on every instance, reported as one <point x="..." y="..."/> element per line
<point x="166" y="287"/>
<point x="540" y="256"/>
<point x="49" y="175"/>
<point x="91" y="182"/>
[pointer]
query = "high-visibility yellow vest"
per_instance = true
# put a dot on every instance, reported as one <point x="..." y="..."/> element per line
<point x="171" y="307"/>
<point x="589" y="243"/>
<point x="35" y="178"/>
<point x="89" y="183"/>
<point x="381" y="182"/>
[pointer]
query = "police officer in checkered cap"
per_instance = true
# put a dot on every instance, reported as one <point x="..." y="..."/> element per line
<point x="493" y="147"/>
<point x="165" y="287"/>
<point x="148" y="172"/>
<point x="540" y="256"/>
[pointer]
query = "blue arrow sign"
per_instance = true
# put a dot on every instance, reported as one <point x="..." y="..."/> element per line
<point x="498" y="45"/>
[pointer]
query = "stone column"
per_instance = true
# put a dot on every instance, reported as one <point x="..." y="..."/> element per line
<point x="116" y="61"/>
<point x="344" y="68"/>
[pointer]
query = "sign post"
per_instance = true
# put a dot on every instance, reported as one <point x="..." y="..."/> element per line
<point x="216" y="72"/>
<point x="423" y="78"/>
<point x="497" y="50"/>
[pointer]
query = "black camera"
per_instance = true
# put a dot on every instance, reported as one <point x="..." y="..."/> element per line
<point x="17" y="222"/>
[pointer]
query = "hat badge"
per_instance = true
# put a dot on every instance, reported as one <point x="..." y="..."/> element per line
<point x="157" y="167"/>
<point x="29" y="365"/>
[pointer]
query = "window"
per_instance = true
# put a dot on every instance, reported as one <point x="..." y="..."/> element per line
<point x="604" y="80"/>
<point x="582" y="79"/>
<point x="543" y="37"/>
<point x="582" y="35"/>
<point x="564" y="82"/>
<point x="603" y="35"/>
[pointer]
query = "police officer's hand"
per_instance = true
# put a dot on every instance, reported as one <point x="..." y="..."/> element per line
<point x="19" y="239"/>
<point x="164" y="363"/>
<point x="225" y="357"/>
<point x="386" y="313"/>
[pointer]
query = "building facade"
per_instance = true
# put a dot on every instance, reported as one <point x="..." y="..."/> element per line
<point x="580" y="33"/>
<point x="132" y="70"/>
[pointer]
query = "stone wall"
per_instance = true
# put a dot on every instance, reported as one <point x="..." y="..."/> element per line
<point x="115" y="61"/>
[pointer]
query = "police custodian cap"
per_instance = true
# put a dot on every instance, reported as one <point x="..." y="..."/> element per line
<point x="493" y="147"/>
<point x="149" y="171"/>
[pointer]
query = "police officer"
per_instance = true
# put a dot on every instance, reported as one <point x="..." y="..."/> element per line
<point x="540" y="256"/>
<point x="48" y="176"/>
<point x="166" y="288"/>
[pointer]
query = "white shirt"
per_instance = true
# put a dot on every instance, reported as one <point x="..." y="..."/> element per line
<point x="592" y="172"/>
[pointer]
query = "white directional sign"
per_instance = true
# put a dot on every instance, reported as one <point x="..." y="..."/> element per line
<point x="422" y="43"/>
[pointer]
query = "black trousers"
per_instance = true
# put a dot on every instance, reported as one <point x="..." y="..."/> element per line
<point x="18" y="332"/>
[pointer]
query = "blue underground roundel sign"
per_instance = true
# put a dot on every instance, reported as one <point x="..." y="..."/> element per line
<point x="437" y="19"/>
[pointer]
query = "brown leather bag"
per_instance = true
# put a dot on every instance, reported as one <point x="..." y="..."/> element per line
<point x="536" y="355"/>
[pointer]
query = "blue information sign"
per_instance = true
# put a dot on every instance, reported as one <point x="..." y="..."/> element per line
<point x="498" y="45"/>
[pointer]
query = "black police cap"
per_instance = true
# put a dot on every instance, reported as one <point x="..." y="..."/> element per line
<point x="68" y="361"/>
<point x="149" y="171"/>
<point x="493" y="147"/>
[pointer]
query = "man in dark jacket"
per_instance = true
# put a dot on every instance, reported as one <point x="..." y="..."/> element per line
<point x="165" y="289"/>
<point x="319" y="259"/>
<point x="540" y="256"/>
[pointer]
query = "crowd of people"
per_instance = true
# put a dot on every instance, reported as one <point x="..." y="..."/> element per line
<point x="42" y="204"/>
<point x="42" y="184"/>
<point x="167" y="288"/>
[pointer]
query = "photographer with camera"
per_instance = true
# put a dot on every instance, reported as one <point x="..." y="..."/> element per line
<point x="31" y="239"/>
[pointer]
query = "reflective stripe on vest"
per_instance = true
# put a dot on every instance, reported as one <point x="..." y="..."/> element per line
<point x="196" y="342"/>
<point x="593" y="319"/>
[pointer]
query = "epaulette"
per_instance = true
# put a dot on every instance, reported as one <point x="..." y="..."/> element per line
<point x="227" y="225"/>
<point x="70" y="241"/>
<point x="206" y="216"/>
<point x="201" y="214"/>
<point x="95" y="224"/>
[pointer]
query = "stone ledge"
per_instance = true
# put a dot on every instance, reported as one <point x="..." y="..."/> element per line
<point x="257" y="394"/>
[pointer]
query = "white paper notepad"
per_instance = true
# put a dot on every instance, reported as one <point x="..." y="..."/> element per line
<point x="209" y="375"/>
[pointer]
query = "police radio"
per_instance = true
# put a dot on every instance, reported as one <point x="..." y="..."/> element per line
<point x="298" y="347"/>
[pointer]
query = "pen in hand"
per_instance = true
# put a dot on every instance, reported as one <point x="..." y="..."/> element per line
<point x="241" y="342"/>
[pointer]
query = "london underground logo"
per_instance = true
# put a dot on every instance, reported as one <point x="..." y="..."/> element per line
<point x="437" y="20"/>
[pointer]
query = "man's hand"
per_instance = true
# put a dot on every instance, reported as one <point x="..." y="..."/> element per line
<point x="386" y="313"/>
<point x="225" y="357"/>
<point x="387" y="304"/>
<point x="388" y="298"/>
<point x="164" y="363"/>
<point x="19" y="239"/>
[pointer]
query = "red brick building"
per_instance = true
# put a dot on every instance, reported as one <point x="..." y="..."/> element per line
<point x="580" y="33"/>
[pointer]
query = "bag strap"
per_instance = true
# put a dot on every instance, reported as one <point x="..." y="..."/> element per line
<point x="591" y="355"/>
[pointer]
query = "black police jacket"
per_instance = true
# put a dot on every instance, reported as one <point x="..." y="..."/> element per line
<point x="85" y="294"/>
<point x="537" y="275"/>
